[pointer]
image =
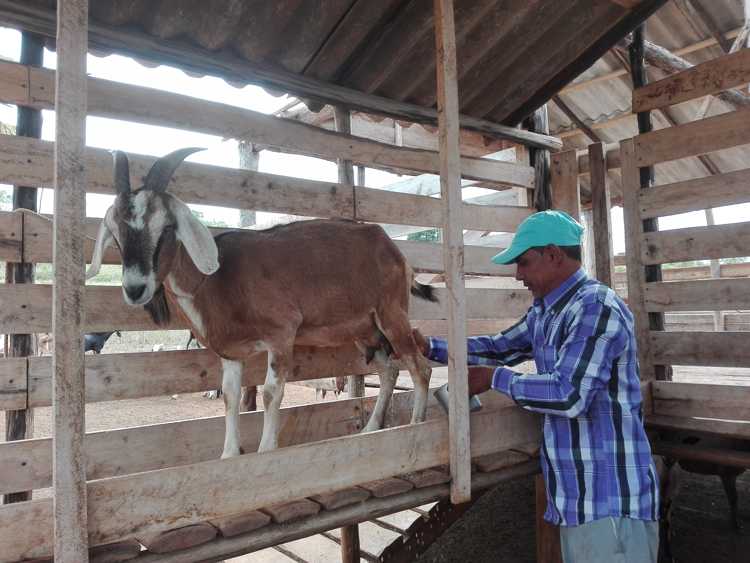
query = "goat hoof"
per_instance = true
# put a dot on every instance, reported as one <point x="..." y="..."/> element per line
<point x="227" y="454"/>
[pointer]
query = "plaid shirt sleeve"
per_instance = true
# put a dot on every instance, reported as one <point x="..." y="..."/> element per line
<point x="510" y="347"/>
<point x="596" y="336"/>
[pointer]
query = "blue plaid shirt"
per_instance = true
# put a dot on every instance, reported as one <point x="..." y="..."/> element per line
<point x="595" y="456"/>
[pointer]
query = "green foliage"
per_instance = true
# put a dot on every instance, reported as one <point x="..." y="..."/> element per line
<point x="430" y="235"/>
<point x="6" y="199"/>
<point x="208" y="222"/>
<point x="110" y="274"/>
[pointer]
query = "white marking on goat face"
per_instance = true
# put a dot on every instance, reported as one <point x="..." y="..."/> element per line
<point x="143" y="224"/>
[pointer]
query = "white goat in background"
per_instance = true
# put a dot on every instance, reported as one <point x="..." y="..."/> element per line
<point x="318" y="283"/>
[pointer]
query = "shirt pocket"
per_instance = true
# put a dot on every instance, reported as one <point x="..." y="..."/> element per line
<point x="546" y="359"/>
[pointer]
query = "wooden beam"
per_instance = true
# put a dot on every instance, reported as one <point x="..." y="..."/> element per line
<point x="662" y="58"/>
<point x="713" y="27"/>
<point x="453" y="250"/>
<point x="565" y="186"/>
<point x="188" y="57"/>
<point x="601" y="211"/>
<point x="575" y="119"/>
<point x="692" y="48"/>
<point x="35" y="88"/>
<point x="69" y="470"/>
<point x="19" y="424"/>
<point x="719" y="349"/>
<point x="636" y="272"/>
<point x="695" y="243"/>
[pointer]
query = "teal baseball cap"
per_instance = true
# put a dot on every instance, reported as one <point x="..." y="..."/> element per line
<point x="541" y="229"/>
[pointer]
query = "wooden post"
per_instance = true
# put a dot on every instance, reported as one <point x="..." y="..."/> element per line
<point x="249" y="159"/>
<point x="566" y="193"/>
<point x="602" y="221"/>
<point x="349" y="534"/>
<point x="69" y="475"/>
<point x="646" y="180"/>
<point x="548" y="548"/>
<point x="453" y="250"/>
<point x="19" y="424"/>
<point x="540" y="160"/>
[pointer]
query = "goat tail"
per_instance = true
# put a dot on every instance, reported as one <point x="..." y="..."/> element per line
<point x="422" y="291"/>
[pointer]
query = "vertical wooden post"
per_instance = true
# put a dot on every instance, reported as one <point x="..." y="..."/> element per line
<point x="453" y="250"/>
<point x="19" y="424"/>
<point x="69" y="476"/>
<point x="602" y="221"/>
<point x="538" y="122"/>
<point x="646" y="180"/>
<point x="633" y="241"/>
<point x="566" y="193"/>
<point x="249" y="159"/>
<point x="349" y="534"/>
<point x="548" y="548"/>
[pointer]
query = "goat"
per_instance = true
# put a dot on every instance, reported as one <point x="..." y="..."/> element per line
<point x="319" y="283"/>
<point x="95" y="341"/>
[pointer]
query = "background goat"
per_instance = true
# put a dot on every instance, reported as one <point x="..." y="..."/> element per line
<point x="95" y="341"/>
<point x="313" y="283"/>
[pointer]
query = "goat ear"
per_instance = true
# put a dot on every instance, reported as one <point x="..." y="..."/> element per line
<point x="161" y="172"/>
<point x="196" y="238"/>
<point x="103" y="240"/>
<point x="122" y="172"/>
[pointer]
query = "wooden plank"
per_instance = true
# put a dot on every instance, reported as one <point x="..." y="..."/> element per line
<point x="147" y="105"/>
<point x="691" y="139"/>
<point x="379" y="206"/>
<point x="157" y="500"/>
<point x="10" y="236"/>
<point x="178" y="538"/>
<point x="453" y="225"/>
<point x="716" y="456"/>
<point x="13" y="386"/>
<point x="69" y="470"/>
<point x="292" y="510"/>
<point x="27" y="464"/>
<point x="696" y="194"/>
<point x="725" y="402"/>
<point x="371" y="509"/>
<point x="27" y="308"/>
<point x="710" y="77"/>
<point x="636" y="273"/>
<point x="722" y="349"/>
<point x="29" y="161"/>
<point x="566" y="194"/>
<point x="715" y="427"/>
<point x="422" y="256"/>
<point x="601" y="211"/>
<point x="700" y="295"/>
<point x="242" y="523"/>
<point x="696" y="243"/>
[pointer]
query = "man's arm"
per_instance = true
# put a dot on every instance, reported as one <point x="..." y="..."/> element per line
<point x="509" y="347"/>
<point x="597" y="336"/>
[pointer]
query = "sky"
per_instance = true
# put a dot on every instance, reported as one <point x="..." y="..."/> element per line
<point x="157" y="141"/>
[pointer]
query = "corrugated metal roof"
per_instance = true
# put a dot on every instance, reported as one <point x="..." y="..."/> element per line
<point x="674" y="26"/>
<point x="510" y="52"/>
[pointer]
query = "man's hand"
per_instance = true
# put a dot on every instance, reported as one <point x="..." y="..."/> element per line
<point x="480" y="379"/>
<point x="422" y="343"/>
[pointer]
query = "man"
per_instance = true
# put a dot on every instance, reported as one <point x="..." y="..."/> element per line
<point x="600" y="478"/>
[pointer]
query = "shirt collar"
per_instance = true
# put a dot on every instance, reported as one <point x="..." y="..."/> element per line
<point x="554" y="296"/>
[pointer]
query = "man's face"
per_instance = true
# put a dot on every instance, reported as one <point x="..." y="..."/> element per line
<point x="537" y="269"/>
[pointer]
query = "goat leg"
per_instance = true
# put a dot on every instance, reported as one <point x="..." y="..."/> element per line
<point x="231" y="385"/>
<point x="729" y="480"/>
<point x="273" y="393"/>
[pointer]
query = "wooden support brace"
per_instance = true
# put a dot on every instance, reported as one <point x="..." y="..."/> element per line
<point x="70" y="512"/>
<point x="453" y="251"/>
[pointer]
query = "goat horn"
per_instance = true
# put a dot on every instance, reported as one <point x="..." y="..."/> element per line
<point x="161" y="172"/>
<point x="122" y="172"/>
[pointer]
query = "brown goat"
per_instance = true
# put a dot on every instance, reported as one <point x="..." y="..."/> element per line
<point x="314" y="283"/>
